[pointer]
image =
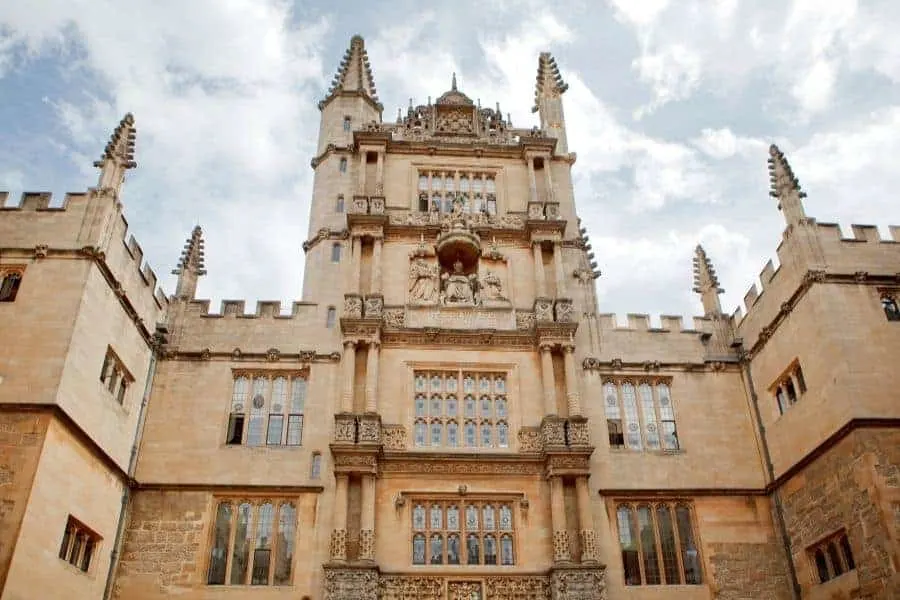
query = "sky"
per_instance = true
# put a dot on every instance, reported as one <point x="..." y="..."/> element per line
<point x="671" y="107"/>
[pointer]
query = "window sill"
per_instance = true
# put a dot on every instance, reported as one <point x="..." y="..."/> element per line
<point x="670" y="452"/>
<point x="282" y="447"/>
<point x="77" y="570"/>
<point x="840" y="586"/>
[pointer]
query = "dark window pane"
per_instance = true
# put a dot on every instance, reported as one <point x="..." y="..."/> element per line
<point x="690" y="555"/>
<point x="67" y="537"/>
<point x="453" y="549"/>
<point x="667" y="541"/>
<point x="418" y="549"/>
<point x="87" y="553"/>
<point x="218" y="555"/>
<point x="260" y="567"/>
<point x="506" y="550"/>
<point x="104" y="371"/>
<point x="836" y="566"/>
<point x="287" y="519"/>
<point x="648" y="546"/>
<point x="10" y="287"/>
<point x="821" y="566"/>
<point x="616" y="434"/>
<point x="847" y="552"/>
<point x="473" y="550"/>
<point x="801" y="383"/>
<point x="437" y="549"/>
<point x="123" y="387"/>
<point x="791" y="393"/>
<point x="490" y="550"/>
<point x="235" y="429"/>
<point x="891" y="310"/>
<point x="276" y="425"/>
<point x="628" y="543"/>
<point x="76" y="548"/>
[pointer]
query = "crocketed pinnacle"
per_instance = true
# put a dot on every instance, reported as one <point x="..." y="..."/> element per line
<point x="785" y="186"/>
<point x="354" y="73"/>
<point x="549" y="82"/>
<point x="706" y="282"/>
<point x="192" y="255"/>
<point x="120" y="148"/>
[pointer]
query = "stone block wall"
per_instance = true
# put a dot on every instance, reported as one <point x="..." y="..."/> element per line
<point x="21" y="437"/>
<point x="749" y="570"/>
<point x="854" y="486"/>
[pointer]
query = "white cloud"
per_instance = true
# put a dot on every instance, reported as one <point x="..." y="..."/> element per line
<point x="722" y="143"/>
<point x="673" y="73"/>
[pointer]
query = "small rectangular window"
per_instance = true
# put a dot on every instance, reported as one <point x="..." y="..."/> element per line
<point x="114" y="376"/>
<point x="78" y="544"/>
<point x="235" y="429"/>
<point x="347" y="123"/>
<point x="832" y="557"/>
<point x="9" y="284"/>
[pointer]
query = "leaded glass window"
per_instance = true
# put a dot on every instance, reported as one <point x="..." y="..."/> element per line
<point x="267" y="408"/>
<point x="640" y="415"/>
<point x="440" y="538"/>
<point x="657" y="547"/>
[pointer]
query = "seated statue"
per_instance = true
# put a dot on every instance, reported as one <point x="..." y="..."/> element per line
<point x="458" y="288"/>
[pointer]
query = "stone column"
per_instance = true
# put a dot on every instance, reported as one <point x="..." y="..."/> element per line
<point x="356" y="245"/>
<point x="551" y="197"/>
<point x="376" y="265"/>
<point x="540" y="282"/>
<point x="558" y="520"/>
<point x="372" y="377"/>
<point x="379" y="175"/>
<point x="573" y="398"/>
<point x="362" y="173"/>
<point x="339" y="533"/>
<point x="532" y="182"/>
<point x="586" y="521"/>
<point x="367" y="519"/>
<point x="547" y="379"/>
<point x="348" y="371"/>
<point x="558" y="271"/>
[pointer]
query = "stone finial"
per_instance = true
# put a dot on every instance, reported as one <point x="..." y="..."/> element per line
<point x="549" y="81"/>
<point x="453" y="82"/>
<point x="785" y="187"/>
<point x="706" y="282"/>
<point x="118" y="155"/>
<point x="354" y="73"/>
<point x="190" y="266"/>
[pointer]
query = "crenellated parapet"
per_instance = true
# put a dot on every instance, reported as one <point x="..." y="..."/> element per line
<point x="37" y="229"/>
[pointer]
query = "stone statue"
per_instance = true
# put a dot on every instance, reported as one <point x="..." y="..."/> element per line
<point x="491" y="287"/>
<point x="458" y="288"/>
<point x="422" y="281"/>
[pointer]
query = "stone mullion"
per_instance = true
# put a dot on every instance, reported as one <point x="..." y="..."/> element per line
<point x="361" y="179"/>
<point x="547" y="380"/>
<point x="532" y="182"/>
<point x="372" y="366"/>
<point x="549" y="178"/>
<point x="558" y="270"/>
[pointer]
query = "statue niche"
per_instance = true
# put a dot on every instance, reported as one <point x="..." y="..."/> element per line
<point x="423" y="282"/>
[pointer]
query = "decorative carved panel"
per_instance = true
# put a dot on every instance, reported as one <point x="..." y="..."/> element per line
<point x="464" y="590"/>
<point x="393" y="437"/>
<point x="351" y="584"/>
<point x="408" y="587"/>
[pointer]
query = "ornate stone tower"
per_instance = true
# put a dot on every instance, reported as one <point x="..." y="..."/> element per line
<point x="460" y="449"/>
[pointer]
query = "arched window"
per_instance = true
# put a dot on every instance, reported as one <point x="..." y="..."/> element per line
<point x="262" y="550"/>
<point x="847" y="552"/>
<point x="891" y="310"/>
<point x="330" y="317"/>
<point x="347" y="123"/>
<point x="420" y="432"/>
<point x="335" y="252"/>
<point x="436" y="430"/>
<point x="257" y="422"/>
<point x="9" y="285"/>
<point x="339" y="204"/>
<point x="452" y="434"/>
<point x="342" y="165"/>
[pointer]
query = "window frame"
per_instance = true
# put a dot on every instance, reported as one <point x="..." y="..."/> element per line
<point x="477" y="199"/>
<point x="620" y="429"/>
<point x="339" y="206"/>
<point x="462" y="503"/>
<point x="336" y="253"/>
<point x="11" y="277"/>
<point x="347" y="123"/>
<point x="252" y="535"/>
<point x="342" y="165"/>
<point x="287" y="415"/>
<point x="788" y="388"/>
<point x="654" y="504"/>
<point x="80" y="556"/>
<point x="115" y="377"/>
<point x="463" y="421"/>
<point x="330" y="317"/>
<point x="890" y="297"/>
<point x="835" y="545"/>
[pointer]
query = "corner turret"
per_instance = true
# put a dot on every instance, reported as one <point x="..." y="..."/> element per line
<point x="548" y="101"/>
<point x="785" y="187"/>
<point x="706" y="283"/>
<point x="190" y="266"/>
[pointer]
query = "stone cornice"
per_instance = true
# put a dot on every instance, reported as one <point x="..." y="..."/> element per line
<point x="464" y="338"/>
<point x="329" y="149"/>
<point x="435" y="463"/>
<point x="252" y="489"/>
<point x="325" y="234"/>
<point x="809" y="279"/>
<point x="619" y="367"/>
<point x="300" y="358"/>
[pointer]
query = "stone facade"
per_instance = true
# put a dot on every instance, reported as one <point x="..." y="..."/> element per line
<point x="446" y="414"/>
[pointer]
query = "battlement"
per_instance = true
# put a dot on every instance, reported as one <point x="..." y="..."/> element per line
<point x="642" y="322"/>
<point x="831" y="232"/>
<point x="236" y="309"/>
<point x="41" y="201"/>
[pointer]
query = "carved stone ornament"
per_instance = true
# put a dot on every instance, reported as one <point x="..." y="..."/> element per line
<point x="524" y="320"/>
<point x="351" y="583"/>
<point x="578" y="584"/>
<point x="404" y="587"/>
<point x="369" y="431"/>
<point x="590" y="363"/>
<point x="560" y="546"/>
<point x="861" y="276"/>
<point x="374" y="307"/>
<point x="352" y="307"/>
<point x="345" y="428"/>
<point x="543" y="310"/>
<point x="453" y="467"/>
<point x="616" y="364"/>
<point x="205" y="354"/>
<point x="273" y="354"/>
<point x="307" y="355"/>
<point x="578" y="433"/>
<point x="584" y="276"/>
<point x="491" y="288"/>
<point x="40" y="251"/>
<point x="517" y="588"/>
<point x="551" y="211"/>
<point x="815" y="275"/>
<point x="338" y="546"/>
<point x="565" y="311"/>
<point x="535" y="211"/>
<point x="530" y="441"/>
<point x="553" y="432"/>
<point x="236" y="354"/>
<point x="393" y="437"/>
<point x="423" y="282"/>
<point x="493" y="252"/>
<point x="464" y="590"/>
<point x="376" y="205"/>
<point x="359" y="205"/>
<point x="589" y="548"/>
<point x="394" y="318"/>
